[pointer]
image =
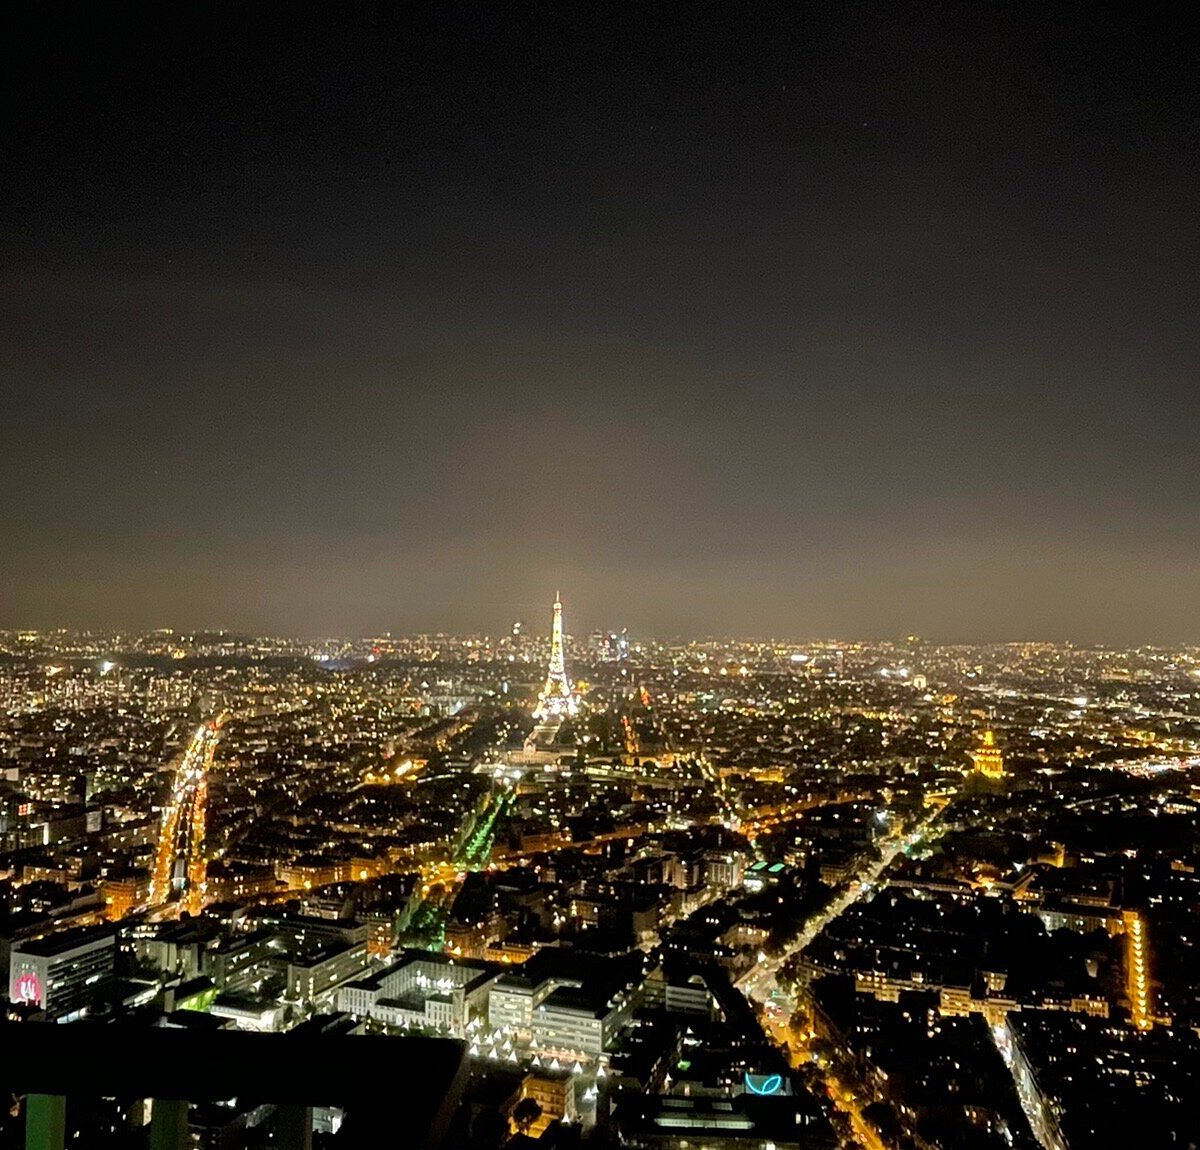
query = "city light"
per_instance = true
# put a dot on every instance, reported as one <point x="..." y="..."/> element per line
<point x="1138" y="970"/>
<point x="570" y="877"/>
<point x="839" y="362"/>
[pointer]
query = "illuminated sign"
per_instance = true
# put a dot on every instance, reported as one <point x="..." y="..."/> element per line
<point x="764" y="1083"/>
<point x="27" y="988"/>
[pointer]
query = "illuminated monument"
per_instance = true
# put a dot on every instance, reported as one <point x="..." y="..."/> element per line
<point x="988" y="759"/>
<point x="558" y="698"/>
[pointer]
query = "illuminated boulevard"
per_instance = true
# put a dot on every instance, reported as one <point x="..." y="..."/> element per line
<point x="180" y="865"/>
<point x="1041" y="1121"/>
<point x="787" y="1020"/>
<point x="429" y="906"/>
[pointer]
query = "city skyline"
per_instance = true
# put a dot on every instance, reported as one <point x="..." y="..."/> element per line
<point x="580" y="635"/>
<point x="876" y="890"/>
<point x="600" y="577"/>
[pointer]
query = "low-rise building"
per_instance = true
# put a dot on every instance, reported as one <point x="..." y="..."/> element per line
<point x="324" y="969"/>
<point x="423" y="991"/>
<point x="554" y="1092"/>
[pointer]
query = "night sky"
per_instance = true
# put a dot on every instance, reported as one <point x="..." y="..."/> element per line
<point x="818" y="320"/>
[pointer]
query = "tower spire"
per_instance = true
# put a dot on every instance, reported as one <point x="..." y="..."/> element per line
<point x="558" y="698"/>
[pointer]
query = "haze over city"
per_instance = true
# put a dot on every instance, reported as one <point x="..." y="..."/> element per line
<point x="825" y="322"/>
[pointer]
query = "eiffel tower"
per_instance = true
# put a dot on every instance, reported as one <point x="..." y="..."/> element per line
<point x="558" y="698"/>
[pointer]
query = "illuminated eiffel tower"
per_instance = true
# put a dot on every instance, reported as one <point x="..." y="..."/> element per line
<point x="558" y="698"/>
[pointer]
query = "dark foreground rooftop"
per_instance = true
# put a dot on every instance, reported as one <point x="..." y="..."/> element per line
<point x="381" y="1082"/>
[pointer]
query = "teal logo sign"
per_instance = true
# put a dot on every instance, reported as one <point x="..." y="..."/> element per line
<point x="763" y="1083"/>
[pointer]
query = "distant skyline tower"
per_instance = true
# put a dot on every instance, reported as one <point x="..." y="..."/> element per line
<point x="988" y="759"/>
<point x="558" y="698"/>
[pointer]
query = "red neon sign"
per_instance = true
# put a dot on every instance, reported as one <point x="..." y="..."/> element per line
<point x="27" y="988"/>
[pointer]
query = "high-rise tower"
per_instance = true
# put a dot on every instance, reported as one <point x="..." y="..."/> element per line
<point x="558" y="698"/>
